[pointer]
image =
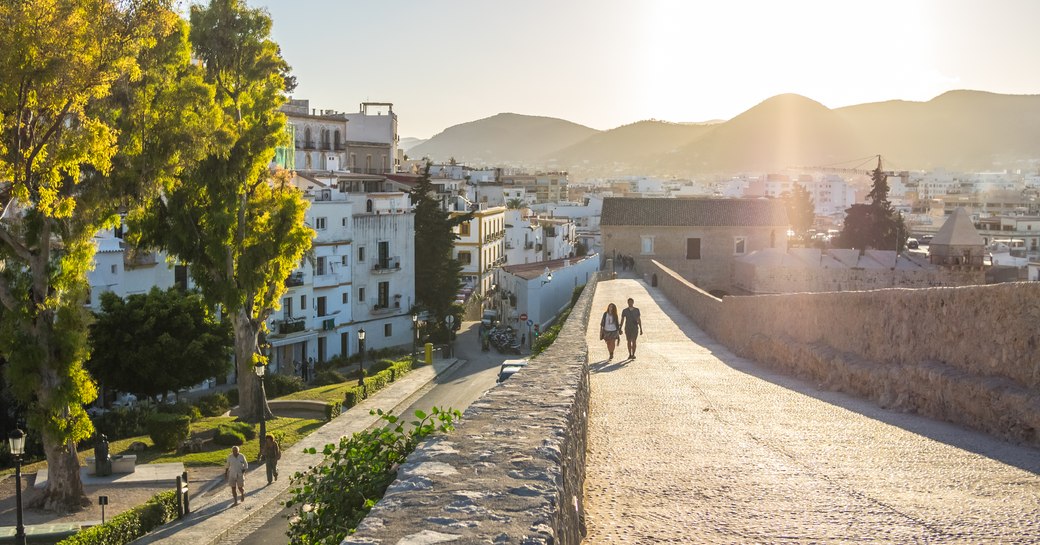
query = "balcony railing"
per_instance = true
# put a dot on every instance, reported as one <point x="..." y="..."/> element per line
<point x="388" y="264"/>
<point x="294" y="279"/>
<point x="387" y="308"/>
<point x="132" y="259"/>
<point x="528" y="245"/>
<point x="305" y="144"/>
<point x="291" y="325"/>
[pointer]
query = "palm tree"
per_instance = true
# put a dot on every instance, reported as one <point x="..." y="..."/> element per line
<point x="515" y="203"/>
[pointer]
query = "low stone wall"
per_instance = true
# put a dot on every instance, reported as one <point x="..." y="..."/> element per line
<point x="513" y="471"/>
<point x="969" y="355"/>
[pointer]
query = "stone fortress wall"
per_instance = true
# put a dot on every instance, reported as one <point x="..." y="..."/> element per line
<point x="512" y="471"/>
<point x="969" y="355"/>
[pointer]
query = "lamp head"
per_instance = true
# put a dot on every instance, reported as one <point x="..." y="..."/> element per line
<point x="259" y="369"/>
<point x="361" y="334"/>
<point x="17" y="442"/>
<point x="415" y="318"/>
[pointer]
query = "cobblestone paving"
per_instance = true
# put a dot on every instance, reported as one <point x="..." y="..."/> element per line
<point x="691" y="444"/>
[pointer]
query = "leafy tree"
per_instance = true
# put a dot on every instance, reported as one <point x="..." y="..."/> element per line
<point x="91" y="90"/>
<point x="580" y="250"/>
<point x="801" y="210"/>
<point x="515" y="203"/>
<point x="437" y="274"/>
<point x="239" y="225"/>
<point x="876" y="225"/>
<point x="160" y="341"/>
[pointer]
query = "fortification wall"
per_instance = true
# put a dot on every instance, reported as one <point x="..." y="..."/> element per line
<point x="969" y="355"/>
<point x="513" y="471"/>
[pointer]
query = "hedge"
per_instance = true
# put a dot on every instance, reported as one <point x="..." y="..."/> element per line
<point x="168" y="430"/>
<point x="332" y="410"/>
<point x="214" y="404"/>
<point x="129" y="525"/>
<point x="233" y="433"/>
<point x="376" y="382"/>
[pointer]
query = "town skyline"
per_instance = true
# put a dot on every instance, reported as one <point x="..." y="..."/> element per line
<point x="607" y="64"/>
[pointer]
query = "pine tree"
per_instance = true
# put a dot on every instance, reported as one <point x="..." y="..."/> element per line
<point x="876" y="225"/>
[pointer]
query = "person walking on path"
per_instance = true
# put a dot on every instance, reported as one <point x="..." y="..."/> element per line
<point x="270" y="454"/>
<point x="234" y="473"/>
<point x="608" y="329"/>
<point x="633" y="326"/>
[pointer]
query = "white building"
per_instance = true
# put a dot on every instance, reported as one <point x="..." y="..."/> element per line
<point x="327" y="140"/>
<point x="523" y="239"/>
<point x="529" y="289"/>
<point x="120" y="270"/>
<point x="480" y="247"/>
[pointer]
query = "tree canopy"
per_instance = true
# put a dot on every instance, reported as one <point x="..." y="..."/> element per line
<point x="800" y="210"/>
<point x="876" y="225"/>
<point x="156" y="342"/>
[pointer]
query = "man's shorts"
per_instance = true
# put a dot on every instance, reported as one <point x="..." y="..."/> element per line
<point x="237" y="481"/>
<point x="631" y="334"/>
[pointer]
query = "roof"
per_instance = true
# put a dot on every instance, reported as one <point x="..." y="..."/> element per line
<point x="529" y="271"/>
<point x="694" y="212"/>
<point x="957" y="231"/>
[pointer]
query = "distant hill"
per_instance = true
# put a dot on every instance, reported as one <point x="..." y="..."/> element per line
<point x="967" y="130"/>
<point x="407" y="143"/>
<point x="503" y="139"/>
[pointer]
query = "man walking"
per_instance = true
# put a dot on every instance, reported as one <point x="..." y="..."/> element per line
<point x="633" y="326"/>
<point x="234" y="473"/>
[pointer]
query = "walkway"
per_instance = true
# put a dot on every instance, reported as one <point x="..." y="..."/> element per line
<point x="212" y="519"/>
<point x="691" y="444"/>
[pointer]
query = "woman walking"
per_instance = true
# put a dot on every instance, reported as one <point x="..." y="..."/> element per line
<point x="608" y="328"/>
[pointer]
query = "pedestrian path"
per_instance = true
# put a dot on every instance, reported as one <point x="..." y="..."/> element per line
<point x="143" y="474"/>
<point x="691" y="444"/>
<point x="216" y="516"/>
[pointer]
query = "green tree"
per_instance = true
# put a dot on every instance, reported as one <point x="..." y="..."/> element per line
<point x="239" y="225"/>
<point x="156" y="342"/>
<point x="515" y="203"/>
<point x="875" y="225"/>
<point x="437" y="273"/>
<point x="801" y="211"/>
<point x="90" y="89"/>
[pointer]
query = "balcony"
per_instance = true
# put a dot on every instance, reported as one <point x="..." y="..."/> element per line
<point x="134" y="259"/>
<point x="528" y="245"/>
<point x="293" y="280"/>
<point x="387" y="264"/>
<point x="290" y="325"/>
<point x="305" y="144"/>
<point x="326" y="280"/>
<point x="387" y="308"/>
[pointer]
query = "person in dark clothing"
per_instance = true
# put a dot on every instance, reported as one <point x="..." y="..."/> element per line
<point x="633" y="326"/>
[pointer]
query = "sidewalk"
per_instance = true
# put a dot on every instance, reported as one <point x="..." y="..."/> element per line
<point x="215" y="516"/>
<point x="689" y="443"/>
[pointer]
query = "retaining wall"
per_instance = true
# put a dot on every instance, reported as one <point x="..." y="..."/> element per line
<point x="969" y="355"/>
<point x="512" y="472"/>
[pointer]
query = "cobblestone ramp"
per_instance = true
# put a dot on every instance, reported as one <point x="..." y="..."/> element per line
<point x="691" y="444"/>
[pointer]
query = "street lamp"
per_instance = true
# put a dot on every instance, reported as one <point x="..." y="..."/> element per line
<point x="361" y="365"/>
<point x="415" y="334"/>
<point x="259" y="369"/>
<point x="548" y="276"/>
<point x="17" y="444"/>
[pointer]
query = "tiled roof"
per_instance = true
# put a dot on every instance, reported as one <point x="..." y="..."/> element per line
<point x="694" y="212"/>
<point x="958" y="230"/>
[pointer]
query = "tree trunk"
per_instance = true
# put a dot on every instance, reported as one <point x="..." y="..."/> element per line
<point x="64" y="492"/>
<point x="246" y="334"/>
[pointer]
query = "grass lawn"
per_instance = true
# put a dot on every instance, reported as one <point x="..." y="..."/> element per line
<point x="332" y="392"/>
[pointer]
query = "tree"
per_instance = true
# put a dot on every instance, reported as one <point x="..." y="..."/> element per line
<point x="239" y="225"/>
<point x="156" y="342"/>
<point x="437" y="277"/>
<point x="90" y="90"/>
<point x="876" y="225"/>
<point x="801" y="211"/>
<point x="515" y="203"/>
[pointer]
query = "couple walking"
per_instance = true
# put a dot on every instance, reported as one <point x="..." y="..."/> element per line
<point x="610" y="327"/>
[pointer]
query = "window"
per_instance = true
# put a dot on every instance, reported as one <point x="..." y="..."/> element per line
<point x="739" y="245"/>
<point x="361" y="254"/>
<point x="345" y="260"/>
<point x="303" y="302"/>
<point x="346" y="297"/>
<point x="320" y="223"/>
<point x="344" y="341"/>
<point x="464" y="229"/>
<point x="321" y="306"/>
<point x="693" y="248"/>
<point x="321" y="268"/>
<point x="113" y="268"/>
<point x="344" y="222"/>
<point x="465" y="258"/>
<point x="388" y="330"/>
<point x="368" y="206"/>
<point x="287" y="307"/>
<point x="384" y="295"/>
<point x="361" y="295"/>
<point x="647" y="247"/>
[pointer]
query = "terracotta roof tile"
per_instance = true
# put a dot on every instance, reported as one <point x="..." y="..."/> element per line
<point x="694" y="212"/>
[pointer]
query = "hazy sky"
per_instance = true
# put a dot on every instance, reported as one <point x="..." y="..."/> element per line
<point x="605" y="63"/>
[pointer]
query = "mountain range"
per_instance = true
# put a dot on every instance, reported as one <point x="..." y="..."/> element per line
<point x="958" y="130"/>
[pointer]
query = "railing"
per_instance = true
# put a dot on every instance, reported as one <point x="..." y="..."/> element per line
<point x="528" y="245"/>
<point x="133" y="259"/>
<point x="305" y="144"/>
<point x="388" y="264"/>
<point x="291" y="325"/>
<point x="386" y="309"/>
<point x="294" y="279"/>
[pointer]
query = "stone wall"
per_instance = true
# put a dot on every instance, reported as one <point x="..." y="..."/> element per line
<point x="752" y="278"/>
<point x="969" y="355"/>
<point x="513" y="471"/>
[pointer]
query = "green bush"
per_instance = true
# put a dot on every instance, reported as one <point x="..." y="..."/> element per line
<point x="354" y="396"/>
<point x="380" y="365"/>
<point x="129" y="525"/>
<point x="214" y="404"/>
<point x="182" y="407"/>
<point x="549" y="335"/>
<point x="332" y="410"/>
<point x="234" y="433"/>
<point x="122" y="422"/>
<point x="328" y="377"/>
<point x="232" y="397"/>
<point x="279" y="385"/>
<point x="168" y="430"/>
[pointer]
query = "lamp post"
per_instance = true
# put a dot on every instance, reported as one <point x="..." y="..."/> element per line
<point x="415" y="334"/>
<point x="17" y="444"/>
<point x="361" y="364"/>
<point x="259" y="369"/>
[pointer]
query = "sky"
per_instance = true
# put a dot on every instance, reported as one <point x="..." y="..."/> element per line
<point x="607" y="63"/>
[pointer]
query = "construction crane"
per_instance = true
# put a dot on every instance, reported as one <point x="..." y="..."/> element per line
<point x="904" y="174"/>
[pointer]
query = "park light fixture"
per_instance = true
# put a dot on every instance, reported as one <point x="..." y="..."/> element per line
<point x="259" y="369"/>
<point x="17" y="443"/>
<point x="16" y="440"/>
<point x="361" y="349"/>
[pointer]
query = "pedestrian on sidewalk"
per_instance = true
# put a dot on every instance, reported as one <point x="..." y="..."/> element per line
<point x="608" y="329"/>
<point x="234" y="473"/>
<point x="633" y="326"/>
<point x="270" y="454"/>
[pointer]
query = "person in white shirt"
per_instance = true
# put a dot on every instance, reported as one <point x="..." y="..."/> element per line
<point x="608" y="329"/>
<point x="235" y="471"/>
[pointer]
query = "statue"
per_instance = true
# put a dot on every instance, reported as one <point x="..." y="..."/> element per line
<point x="102" y="461"/>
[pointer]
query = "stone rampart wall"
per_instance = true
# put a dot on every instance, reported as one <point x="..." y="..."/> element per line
<point x="765" y="279"/>
<point x="513" y="471"/>
<point x="969" y="355"/>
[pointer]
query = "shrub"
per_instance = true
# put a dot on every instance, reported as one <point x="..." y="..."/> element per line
<point x="380" y="365"/>
<point x="182" y="407"/>
<point x="122" y="422"/>
<point x="278" y="385"/>
<point x="328" y="377"/>
<point x="354" y="396"/>
<point x="332" y="410"/>
<point x="214" y="404"/>
<point x="234" y="433"/>
<point x="129" y="525"/>
<point x="232" y="397"/>
<point x="168" y="430"/>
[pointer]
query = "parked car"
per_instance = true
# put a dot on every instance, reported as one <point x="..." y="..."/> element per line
<point x="912" y="244"/>
<point x="926" y="239"/>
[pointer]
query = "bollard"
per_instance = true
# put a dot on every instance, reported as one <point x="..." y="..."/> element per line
<point x="429" y="353"/>
<point x="182" y="495"/>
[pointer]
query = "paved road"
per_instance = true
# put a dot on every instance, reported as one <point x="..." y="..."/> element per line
<point x="691" y="444"/>
<point x="456" y="389"/>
